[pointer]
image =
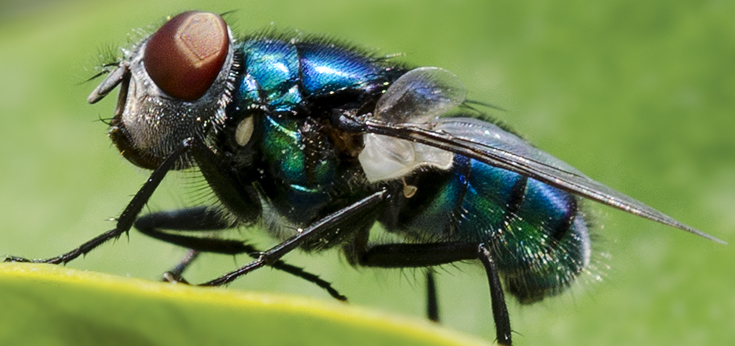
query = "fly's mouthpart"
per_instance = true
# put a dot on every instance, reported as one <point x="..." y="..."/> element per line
<point x="115" y="77"/>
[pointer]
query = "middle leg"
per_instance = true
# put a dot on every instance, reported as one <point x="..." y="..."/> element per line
<point x="206" y="219"/>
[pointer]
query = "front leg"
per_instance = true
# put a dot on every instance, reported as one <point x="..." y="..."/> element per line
<point x="241" y="200"/>
<point x="128" y="216"/>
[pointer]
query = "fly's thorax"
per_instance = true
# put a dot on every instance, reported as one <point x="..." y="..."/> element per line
<point x="156" y="108"/>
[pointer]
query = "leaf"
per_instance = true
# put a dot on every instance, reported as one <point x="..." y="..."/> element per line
<point x="53" y="305"/>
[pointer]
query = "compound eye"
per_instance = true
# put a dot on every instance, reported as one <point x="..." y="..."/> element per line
<point x="186" y="54"/>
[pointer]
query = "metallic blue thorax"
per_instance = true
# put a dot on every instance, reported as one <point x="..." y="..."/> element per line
<point x="283" y="75"/>
<point x="297" y="83"/>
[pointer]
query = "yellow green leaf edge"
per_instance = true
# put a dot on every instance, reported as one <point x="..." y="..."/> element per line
<point x="55" y="305"/>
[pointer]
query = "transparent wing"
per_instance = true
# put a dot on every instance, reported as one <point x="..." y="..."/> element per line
<point x="404" y="130"/>
<point x="491" y="135"/>
<point x="490" y="144"/>
<point x="420" y="95"/>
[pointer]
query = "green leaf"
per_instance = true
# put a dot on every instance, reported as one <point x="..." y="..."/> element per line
<point x="53" y="305"/>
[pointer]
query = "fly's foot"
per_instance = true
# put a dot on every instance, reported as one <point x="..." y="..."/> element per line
<point x="174" y="278"/>
<point x="13" y="259"/>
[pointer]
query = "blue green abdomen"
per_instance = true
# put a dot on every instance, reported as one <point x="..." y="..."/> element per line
<point x="537" y="233"/>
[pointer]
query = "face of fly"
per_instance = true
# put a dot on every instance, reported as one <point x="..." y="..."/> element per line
<point x="174" y="85"/>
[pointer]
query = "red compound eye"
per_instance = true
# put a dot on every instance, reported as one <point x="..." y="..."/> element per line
<point x="186" y="54"/>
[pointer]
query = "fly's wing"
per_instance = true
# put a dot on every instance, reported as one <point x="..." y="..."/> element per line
<point x="491" y="135"/>
<point x="489" y="144"/>
<point x="420" y="95"/>
<point x="403" y="118"/>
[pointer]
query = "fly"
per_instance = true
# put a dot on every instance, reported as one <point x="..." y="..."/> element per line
<point x="317" y="141"/>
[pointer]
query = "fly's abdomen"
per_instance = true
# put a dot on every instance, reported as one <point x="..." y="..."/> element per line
<point x="537" y="232"/>
<point x="543" y="243"/>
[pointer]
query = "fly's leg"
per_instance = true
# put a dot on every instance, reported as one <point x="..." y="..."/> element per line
<point x="340" y="218"/>
<point x="497" y="297"/>
<point x="175" y="275"/>
<point x="432" y="302"/>
<point x="204" y="219"/>
<point x="192" y="219"/>
<point x="239" y="199"/>
<point x="426" y="255"/>
<point x="197" y="219"/>
<point x="126" y="219"/>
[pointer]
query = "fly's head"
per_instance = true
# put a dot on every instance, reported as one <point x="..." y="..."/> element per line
<point x="174" y="85"/>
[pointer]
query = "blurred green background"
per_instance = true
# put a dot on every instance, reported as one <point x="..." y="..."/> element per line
<point x="639" y="95"/>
